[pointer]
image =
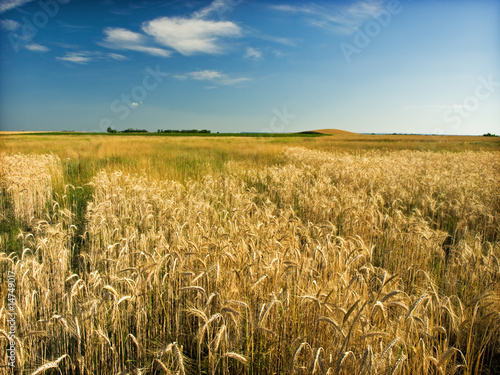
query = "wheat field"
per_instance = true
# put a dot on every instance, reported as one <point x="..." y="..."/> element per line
<point x="326" y="262"/>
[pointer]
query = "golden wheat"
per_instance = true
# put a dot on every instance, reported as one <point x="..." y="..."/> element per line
<point x="334" y="262"/>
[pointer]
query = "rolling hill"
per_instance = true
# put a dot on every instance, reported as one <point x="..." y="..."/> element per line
<point x="329" y="131"/>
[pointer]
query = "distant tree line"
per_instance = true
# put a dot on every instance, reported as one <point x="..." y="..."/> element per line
<point x="204" y="131"/>
<point x="185" y="131"/>
<point x="134" y="131"/>
<point x="110" y="130"/>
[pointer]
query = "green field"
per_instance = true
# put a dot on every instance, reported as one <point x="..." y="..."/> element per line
<point x="341" y="254"/>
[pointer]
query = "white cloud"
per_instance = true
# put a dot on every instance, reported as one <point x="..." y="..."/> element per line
<point x="78" y="57"/>
<point x="214" y="77"/>
<point x="119" y="35"/>
<point x="119" y="38"/>
<point x="10" y="25"/>
<point x="341" y="18"/>
<point x="206" y="75"/>
<point x="185" y="35"/>
<point x="6" y="5"/>
<point x="190" y="36"/>
<point x="37" y="48"/>
<point x="253" y="53"/>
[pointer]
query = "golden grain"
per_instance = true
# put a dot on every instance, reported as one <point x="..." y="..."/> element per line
<point x="341" y="256"/>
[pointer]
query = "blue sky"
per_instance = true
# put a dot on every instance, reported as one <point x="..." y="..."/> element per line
<point x="231" y="65"/>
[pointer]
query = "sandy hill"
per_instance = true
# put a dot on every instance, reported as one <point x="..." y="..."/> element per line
<point x="330" y="131"/>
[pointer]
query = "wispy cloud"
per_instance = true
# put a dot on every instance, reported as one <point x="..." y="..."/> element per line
<point x="279" y="53"/>
<point x="67" y="45"/>
<point x="277" y="39"/>
<point x="117" y="57"/>
<point x="340" y="18"/>
<point x="127" y="8"/>
<point x="6" y="5"/>
<point x="119" y="38"/>
<point x="82" y="57"/>
<point x="70" y="28"/>
<point x="214" y="77"/>
<point x="191" y="36"/>
<point x="295" y="9"/>
<point x="218" y="6"/>
<point x="9" y="25"/>
<point x="253" y="53"/>
<point x="206" y="75"/>
<point x="37" y="48"/>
